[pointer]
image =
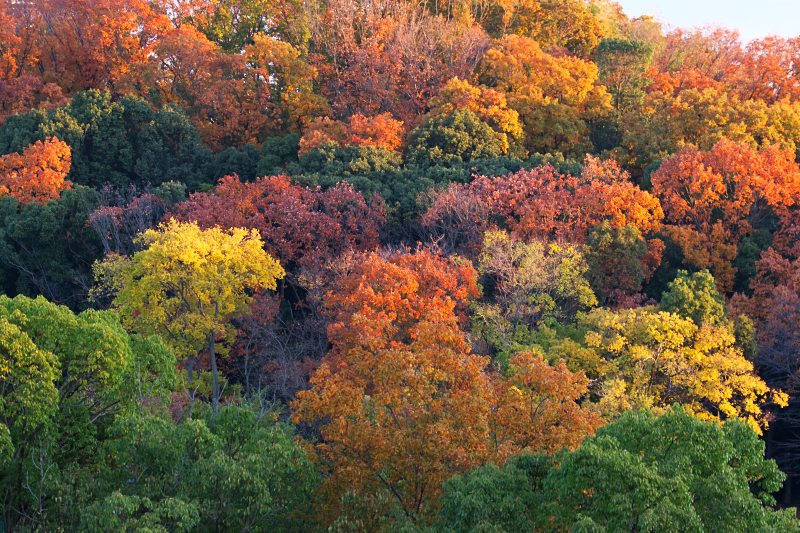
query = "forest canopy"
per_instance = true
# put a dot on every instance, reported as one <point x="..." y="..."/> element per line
<point x="272" y="265"/>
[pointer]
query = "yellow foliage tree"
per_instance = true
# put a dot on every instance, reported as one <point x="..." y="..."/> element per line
<point x="551" y="94"/>
<point x="187" y="283"/>
<point x="652" y="358"/>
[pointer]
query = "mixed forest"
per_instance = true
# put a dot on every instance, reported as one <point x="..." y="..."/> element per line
<point x="419" y="266"/>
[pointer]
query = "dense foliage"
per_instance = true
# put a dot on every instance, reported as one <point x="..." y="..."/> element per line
<point x="268" y="265"/>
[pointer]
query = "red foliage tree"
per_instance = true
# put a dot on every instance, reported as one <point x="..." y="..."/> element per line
<point x="300" y="227"/>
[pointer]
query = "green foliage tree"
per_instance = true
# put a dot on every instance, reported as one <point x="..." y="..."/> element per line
<point x="459" y="137"/>
<point x="238" y="471"/>
<point x="240" y="161"/>
<point x="49" y="249"/>
<point x="695" y="297"/>
<point x="120" y="142"/>
<point x="277" y="153"/>
<point x="63" y="378"/>
<point x="187" y="284"/>
<point x="531" y="283"/>
<point x="623" y="63"/>
<point x="644" y="472"/>
<point x="614" y="257"/>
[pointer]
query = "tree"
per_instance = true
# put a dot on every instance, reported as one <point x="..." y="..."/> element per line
<point x="82" y="44"/>
<point x="390" y="58"/>
<point x="49" y="249"/>
<point x="120" y="142"/>
<point x="713" y="199"/>
<point x="381" y="130"/>
<point x="694" y="297"/>
<point x="653" y="358"/>
<point x="187" y="283"/>
<point x="703" y="117"/>
<point x="63" y="380"/>
<point x="239" y="470"/>
<point x="632" y="475"/>
<point x="622" y="64"/>
<point x="395" y="329"/>
<point x="615" y="259"/>
<point x="542" y="204"/>
<point x="488" y="105"/>
<point x="537" y="408"/>
<point x="38" y="174"/>
<point x="446" y="140"/>
<point x="532" y="282"/>
<point x="553" y="95"/>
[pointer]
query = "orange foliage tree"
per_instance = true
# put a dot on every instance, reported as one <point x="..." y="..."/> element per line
<point x="405" y="405"/>
<point x="391" y="57"/>
<point x="38" y="174"/>
<point x="88" y="44"/>
<point x="381" y="130"/>
<point x="713" y="199"/>
<point x="232" y="99"/>
<point x="542" y="204"/>
<point x="702" y="58"/>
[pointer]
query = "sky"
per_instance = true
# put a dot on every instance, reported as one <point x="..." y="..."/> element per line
<point x="753" y="18"/>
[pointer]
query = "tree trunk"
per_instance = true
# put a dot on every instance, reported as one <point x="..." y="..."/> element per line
<point x="190" y="372"/>
<point x="769" y="441"/>
<point x="787" y="495"/>
<point x="214" y="375"/>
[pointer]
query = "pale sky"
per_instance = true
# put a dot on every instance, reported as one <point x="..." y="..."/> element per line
<point x="753" y="18"/>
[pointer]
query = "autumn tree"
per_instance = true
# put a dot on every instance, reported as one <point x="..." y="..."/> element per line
<point x="400" y="370"/>
<point x="713" y="199"/>
<point x="86" y="44"/>
<point x="769" y="70"/>
<point x="395" y="329"/>
<point x="555" y="24"/>
<point x="381" y="130"/>
<point x="187" y="283"/>
<point x="703" y="117"/>
<point x="540" y="203"/>
<point x="390" y="58"/>
<point x="698" y="58"/>
<point x="553" y="95"/>
<point x="232" y="99"/>
<point x="653" y="358"/>
<point x="38" y="174"/>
